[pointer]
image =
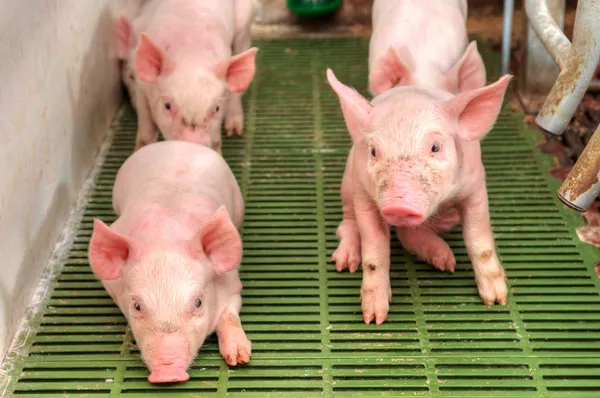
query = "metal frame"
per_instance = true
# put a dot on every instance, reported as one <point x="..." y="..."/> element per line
<point x="577" y="62"/>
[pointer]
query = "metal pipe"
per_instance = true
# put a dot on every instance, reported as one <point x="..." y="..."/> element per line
<point x="575" y="77"/>
<point x="537" y="70"/>
<point x="509" y="6"/>
<point x="582" y="185"/>
<point x="548" y="31"/>
<point x="594" y="85"/>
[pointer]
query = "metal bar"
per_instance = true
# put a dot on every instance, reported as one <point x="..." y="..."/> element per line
<point x="582" y="185"/>
<point x="537" y="70"/>
<point x="548" y="31"/>
<point x="594" y="85"/>
<point x="575" y="77"/>
<point x="509" y="6"/>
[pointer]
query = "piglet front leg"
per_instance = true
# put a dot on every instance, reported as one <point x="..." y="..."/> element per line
<point x="234" y="117"/>
<point x="376" y="291"/>
<point x="477" y="233"/>
<point x="347" y="255"/>
<point x="234" y="346"/>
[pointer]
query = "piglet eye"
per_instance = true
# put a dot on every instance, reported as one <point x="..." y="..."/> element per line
<point x="137" y="306"/>
<point x="435" y="147"/>
<point x="373" y="152"/>
<point x="168" y="106"/>
<point x="198" y="303"/>
<point x="217" y="108"/>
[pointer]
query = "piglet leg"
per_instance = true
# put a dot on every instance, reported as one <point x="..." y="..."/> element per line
<point x="347" y="255"/>
<point x="234" y="116"/>
<point x="375" y="292"/>
<point x="234" y="346"/>
<point x="428" y="247"/>
<point x="477" y="233"/>
<point x="147" y="132"/>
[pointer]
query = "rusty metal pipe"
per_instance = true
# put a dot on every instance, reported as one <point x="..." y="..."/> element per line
<point x="575" y="77"/>
<point x="582" y="185"/>
<point x="548" y="31"/>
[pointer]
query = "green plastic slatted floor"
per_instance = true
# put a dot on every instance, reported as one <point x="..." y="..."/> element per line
<point x="304" y="318"/>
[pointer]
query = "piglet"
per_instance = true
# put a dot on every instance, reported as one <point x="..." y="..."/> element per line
<point x="170" y="259"/>
<point x="416" y="164"/>
<point x="192" y="63"/>
<point x="423" y="43"/>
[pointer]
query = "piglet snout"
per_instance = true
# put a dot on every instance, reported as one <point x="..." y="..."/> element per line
<point x="168" y="374"/>
<point x="402" y="212"/>
<point x="169" y="362"/>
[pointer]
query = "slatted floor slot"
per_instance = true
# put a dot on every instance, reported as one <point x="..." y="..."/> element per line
<point x="304" y="318"/>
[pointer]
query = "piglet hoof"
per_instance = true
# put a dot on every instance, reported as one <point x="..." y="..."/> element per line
<point x="237" y="351"/>
<point x="347" y="256"/>
<point x="428" y="247"/>
<point x="492" y="288"/>
<point x="234" y="124"/>
<point x="443" y="259"/>
<point x="376" y="303"/>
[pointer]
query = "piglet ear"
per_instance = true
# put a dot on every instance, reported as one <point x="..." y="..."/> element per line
<point x="238" y="71"/>
<point x="122" y="30"/>
<point x="389" y="71"/>
<point x="355" y="107"/>
<point x="469" y="71"/>
<point x="150" y="61"/>
<point x="108" y="251"/>
<point x="477" y="110"/>
<point x="220" y="241"/>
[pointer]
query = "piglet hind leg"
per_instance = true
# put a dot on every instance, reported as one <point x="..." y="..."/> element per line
<point x="477" y="233"/>
<point x="234" y="346"/>
<point x="347" y="255"/>
<point x="427" y="246"/>
<point x="376" y="291"/>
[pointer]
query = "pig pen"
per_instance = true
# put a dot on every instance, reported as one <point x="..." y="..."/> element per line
<point x="304" y="318"/>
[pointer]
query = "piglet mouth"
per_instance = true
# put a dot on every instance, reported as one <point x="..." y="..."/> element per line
<point x="168" y="373"/>
<point x="402" y="213"/>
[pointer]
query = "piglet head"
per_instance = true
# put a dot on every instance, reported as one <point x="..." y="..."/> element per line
<point x="411" y="139"/>
<point x="393" y="70"/>
<point x="168" y="292"/>
<point x="188" y="101"/>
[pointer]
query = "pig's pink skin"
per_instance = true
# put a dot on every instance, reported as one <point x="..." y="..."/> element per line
<point x="195" y="56"/>
<point x="423" y="43"/>
<point x="394" y="177"/>
<point x="175" y="241"/>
